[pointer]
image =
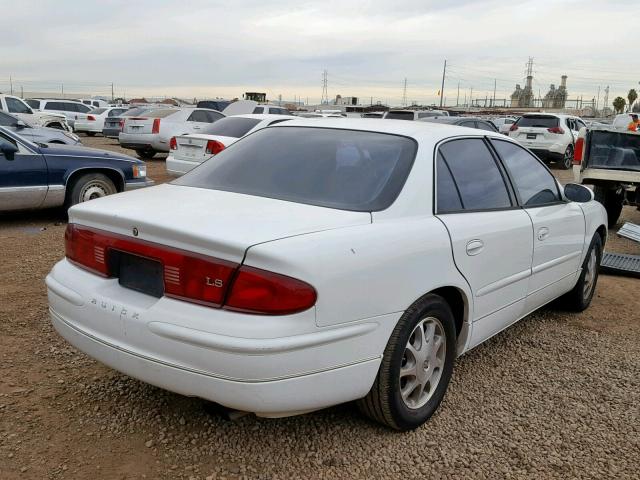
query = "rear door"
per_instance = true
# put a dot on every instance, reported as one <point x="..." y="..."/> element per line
<point x="23" y="180"/>
<point x="492" y="238"/>
<point x="558" y="226"/>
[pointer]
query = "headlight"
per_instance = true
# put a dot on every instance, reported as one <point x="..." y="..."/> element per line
<point x="139" y="171"/>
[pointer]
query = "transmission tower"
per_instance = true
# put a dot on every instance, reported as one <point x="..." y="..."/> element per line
<point x="404" y="94"/>
<point x="606" y="98"/>
<point x="325" y="93"/>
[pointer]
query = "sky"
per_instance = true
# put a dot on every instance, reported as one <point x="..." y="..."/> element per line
<point x="210" y="48"/>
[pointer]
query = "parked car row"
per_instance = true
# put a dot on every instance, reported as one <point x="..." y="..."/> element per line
<point x="18" y="107"/>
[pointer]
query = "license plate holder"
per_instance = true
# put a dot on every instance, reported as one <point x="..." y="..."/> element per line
<point x="531" y="136"/>
<point x="138" y="273"/>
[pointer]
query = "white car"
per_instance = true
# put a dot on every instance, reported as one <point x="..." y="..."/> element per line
<point x="93" y="122"/>
<point x="18" y="107"/>
<point x="414" y="114"/>
<point x="150" y="133"/>
<point x="622" y="120"/>
<point x="503" y="124"/>
<point x="551" y="137"/>
<point x="94" y="102"/>
<point x="314" y="263"/>
<point x="69" y="108"/>
<point x="189" y="151"/>
<point x="271" y="109"/>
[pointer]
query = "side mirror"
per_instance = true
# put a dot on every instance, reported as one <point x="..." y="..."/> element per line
<point x="20" y="124"/>
<point x="8" y="150"/>
<point x="578" y="193"/>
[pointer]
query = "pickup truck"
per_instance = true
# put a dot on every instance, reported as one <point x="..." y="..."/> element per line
<point x="609" y="159"/>
<point x="40" y="175"/>
<point x="18" y="107"/>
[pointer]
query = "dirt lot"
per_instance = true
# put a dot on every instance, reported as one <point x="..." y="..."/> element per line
<point x="556" y="396"/>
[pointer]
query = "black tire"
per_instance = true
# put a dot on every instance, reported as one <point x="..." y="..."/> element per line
<point x="384" y="402"/>
<point x="567" y="159"/>
<point x="146" y="153"/>
<point x="580" y="297"/>
<point x="89" y="186"/>
<point x="612" y="202"/>
<point x="90" y="134"/>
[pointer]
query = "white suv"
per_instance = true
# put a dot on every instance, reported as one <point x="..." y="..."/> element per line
<point x="69" y="108"/>
<point x="18" y="107"/>
<point x="551" y="137"/>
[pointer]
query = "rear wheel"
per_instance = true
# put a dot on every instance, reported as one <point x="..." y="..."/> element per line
<point x="580" y="297"/>
<point x="416" y="366"/>
<point x="146" y="153"/>
<point x="567" y="158"/>
<point x="612" y="202"/>
<point x="90" y="186"/>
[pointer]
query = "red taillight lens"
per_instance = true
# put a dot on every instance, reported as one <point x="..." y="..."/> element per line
<point x="193" y="277"/>
<point x="578" y="151"/>
<point x="260" y="291"/>
<point x="156" y="126"/>
<point x="121" y="124"/>
<point x="173" y="143"/>
<point x="513" y="128"/>
<point x="557" y="130"/>
<point x="91" y="118"/>
<point x="214" y="147"/>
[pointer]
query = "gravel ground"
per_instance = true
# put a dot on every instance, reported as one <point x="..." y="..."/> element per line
<point x="555" y="396"/>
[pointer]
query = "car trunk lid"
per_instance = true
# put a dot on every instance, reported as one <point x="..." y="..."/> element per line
<point x="193" y="148"/>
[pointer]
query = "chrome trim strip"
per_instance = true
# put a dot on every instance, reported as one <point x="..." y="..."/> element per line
<point x="132" y="160"/>
<point x="555" y="261"/>
<point x="28" y="188"/>
<point x="136" y="185"/>
<point x="492" y="287"/>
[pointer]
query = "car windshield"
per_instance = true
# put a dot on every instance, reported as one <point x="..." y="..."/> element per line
<point x="539" y="121"/>
<point x="400" y="115"/>
<point x="344" y="169"/>
<point x="235" y="127"/>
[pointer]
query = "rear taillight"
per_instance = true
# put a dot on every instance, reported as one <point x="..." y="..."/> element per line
<point x="578" y="151"/>
<point x="156" y="126"/>
<point x="173" y="143"/>
<point x="91" y="118"/>
<point x="121" y="125"/>
<point x="193" y="277"/>
<point x="513" y="128"/>
<point x="557" y="130"/>
<point x="214" y="147"/>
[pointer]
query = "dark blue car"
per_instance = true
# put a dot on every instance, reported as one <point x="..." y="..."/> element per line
<point x="37" y="175"/>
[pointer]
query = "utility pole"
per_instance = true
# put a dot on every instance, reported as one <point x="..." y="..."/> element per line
<point x="458" y="96"/>
<point x="62" y="85"/>
<point x="444" y="72"/>
<point x="325" y="91"/>
<point x="471" y="98"/>
<point x="493" y="102"/>
<point x="280" y="100"/>
<point x="112" y="95"/>
<point x="606" y="97"/>
<point x="404" y="93"/>
<point x="598" y="101"/>
<point x="21" y="91"/>
<point x="11" y="83"/>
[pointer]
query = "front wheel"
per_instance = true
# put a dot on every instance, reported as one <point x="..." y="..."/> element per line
<point x="416" y="367"/>
<point x="90" y="186"/>
<point x="612" y="202"/>
<point x="567" y="158"/>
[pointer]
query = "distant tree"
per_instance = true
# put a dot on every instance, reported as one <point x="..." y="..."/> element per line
<point x="618" y="104"/>
<point x="631" y="96"/>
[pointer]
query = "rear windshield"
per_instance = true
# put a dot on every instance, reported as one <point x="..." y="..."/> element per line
<point x="614" y="150"/>
<point x="344" y="169"/>
<point x="541" y="121"/>
<point x="400" y="115"/>
<point x="235" y="127"/>
<point x="98" y="111"/>
<point x="33" y="103"/>
<point x="161" y="113"/>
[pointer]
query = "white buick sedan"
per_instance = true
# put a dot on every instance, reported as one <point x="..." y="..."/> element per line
<point x="311" y="264"/>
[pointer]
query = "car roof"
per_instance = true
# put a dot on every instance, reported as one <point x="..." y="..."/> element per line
<point x="421" y="131"/>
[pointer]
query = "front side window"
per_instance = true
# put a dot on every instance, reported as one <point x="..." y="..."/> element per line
<point x="533" y="182"/>
<point x="343" y="169"/>
<point x="82" y="108"/>
<point x="475" y="174"/>
<point x="16" y="106"/>
<point x="33" y="103"/>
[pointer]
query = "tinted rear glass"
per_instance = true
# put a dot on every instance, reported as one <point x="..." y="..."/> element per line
<point x="400" y="115"/>
<point x="541" y="121"/>
<point x="345" y="169"/>
<point x="235" y="127"/>
<point x="160" y="113"/>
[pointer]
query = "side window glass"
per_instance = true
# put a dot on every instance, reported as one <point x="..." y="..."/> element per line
<point x="16" y="106"/>
<point x="475" y="174"/>
<point x="258" y="110"/>
<point x="197" y="116"/>
<point x="485" y="126"/>
<point x="448" y="198"/>
<point x="533" y="182"/>
<point x="213" y="116"/>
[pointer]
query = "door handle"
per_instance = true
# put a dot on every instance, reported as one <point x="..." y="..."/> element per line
<point x="543" y="233"/>
<point x="474" y="247"/>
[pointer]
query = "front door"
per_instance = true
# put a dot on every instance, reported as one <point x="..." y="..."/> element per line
<point x="492" y="238"/>
<point x="23" y="180"/>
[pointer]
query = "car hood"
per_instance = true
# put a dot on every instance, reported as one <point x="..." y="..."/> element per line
<point x="85" y="152"/>
<point x="210" y="222"/>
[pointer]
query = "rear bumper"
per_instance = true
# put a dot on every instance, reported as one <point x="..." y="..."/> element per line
<point x="111" y="132"/>
<point x="272" y="366"/>
<point x="142" y="142"/>
<point x="87" y="127"/>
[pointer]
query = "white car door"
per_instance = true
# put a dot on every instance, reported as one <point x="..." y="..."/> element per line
<point x="492" y="238"/>
<point x="558" y="225"/>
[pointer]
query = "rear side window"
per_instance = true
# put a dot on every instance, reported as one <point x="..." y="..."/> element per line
<point x="448" y="199"/>
<point x="258" y="110"/>
<point x="533" y="182"/>
<point x="235" y="127"/>
<point x="475" y="175"/>
<point x="54" y="106"/>
<point x="198" y="116"/>
<point x="400" y="115"/>
<point x="486" y="126"/>
<point x="344" y="169"/>
<point x="33" y="103"/>
<point x="213" y="116"/>
<point x="538" y="121"/>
